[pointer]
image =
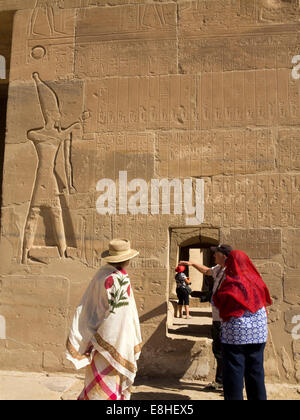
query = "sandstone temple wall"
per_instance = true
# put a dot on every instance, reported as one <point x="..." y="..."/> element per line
<point x="198" y="89"/>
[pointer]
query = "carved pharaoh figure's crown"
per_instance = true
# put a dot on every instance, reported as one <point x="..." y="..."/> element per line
<point x="47" y="97"/>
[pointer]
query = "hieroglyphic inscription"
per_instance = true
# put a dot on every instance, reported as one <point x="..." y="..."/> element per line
<point x="206" y="101"/>
<point x="134" y="153"/>
<point x="289" y="150"/>
<point x="152" y="245"/>
<point x="139" y="103"/>
<point x="215" y="152"/>
<point x="125" y="58"/>
<point x="243" y="52"/>
<point x="258" y="200"/>
<point x="257" y="243"/>
<point x="128" y="40"/>
<point x="49" y="20"/>
<point x="49" y="45"/>
<point x="148" y="21"/>
<point x="206" y="17"/>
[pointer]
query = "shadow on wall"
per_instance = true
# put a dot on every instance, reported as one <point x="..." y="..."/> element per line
<point x="165" y="357"/>
<point x="6" y="26"/>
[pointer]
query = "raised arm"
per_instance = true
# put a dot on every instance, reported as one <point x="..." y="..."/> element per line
<point x="202" y="268"/>
<point x="72" y="128"/>
<point x="36" y="136"/>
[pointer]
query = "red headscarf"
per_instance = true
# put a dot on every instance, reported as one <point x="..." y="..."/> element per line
<point x="180" y="268"/>
<point x="243" y="288"/>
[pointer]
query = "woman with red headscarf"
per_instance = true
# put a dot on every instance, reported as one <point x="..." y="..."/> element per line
<point x="242" y="299"/>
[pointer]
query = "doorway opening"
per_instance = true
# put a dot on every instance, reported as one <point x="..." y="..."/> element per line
<point x="6" y="28"/>
<point x="191" y="245"/>
<point x="201" y="254"/>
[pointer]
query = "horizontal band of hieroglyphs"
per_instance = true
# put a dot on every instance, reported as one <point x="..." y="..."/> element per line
<point x="153" y="57"/>
<point x="210" y="100"/>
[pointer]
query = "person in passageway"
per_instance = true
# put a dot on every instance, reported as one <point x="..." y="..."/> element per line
<point x="217" y="272"/>
<point x="183" y="291"/>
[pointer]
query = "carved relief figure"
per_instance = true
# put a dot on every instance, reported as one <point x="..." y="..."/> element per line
<point x="152" y="16"/>
<point x="44" y="10"/>
<point x="47" y="142"/>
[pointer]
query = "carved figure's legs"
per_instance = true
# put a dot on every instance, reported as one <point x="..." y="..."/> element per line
<point x="33" y="20"/>
<point x="50" y="15"/>
<point x="29" y="233"/>
<point x="44" y="8"/>
<point x="56" y="214"/>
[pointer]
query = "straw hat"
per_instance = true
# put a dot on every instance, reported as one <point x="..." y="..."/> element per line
<point x="119" y="251"/>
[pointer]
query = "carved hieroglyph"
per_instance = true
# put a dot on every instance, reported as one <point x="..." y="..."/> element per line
<point x="47" y="141"/>
<point x="44" y="13"/>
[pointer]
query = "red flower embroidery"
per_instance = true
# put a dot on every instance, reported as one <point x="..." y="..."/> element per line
<point x="109" y="282"/>
<point x="128" y="290"/>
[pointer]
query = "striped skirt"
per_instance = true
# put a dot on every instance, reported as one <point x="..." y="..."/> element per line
<point x="103" y="382"/>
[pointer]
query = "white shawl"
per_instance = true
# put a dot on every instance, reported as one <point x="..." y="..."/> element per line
<point x="107" y="317"/>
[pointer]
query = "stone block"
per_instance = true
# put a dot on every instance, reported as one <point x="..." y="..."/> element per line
<point x="51" y="361"/>
<point x="257" y="243"/>
<point x="290" y="250"/>
<point x="292" y="286"/>
<point x="21" y="360"/>
<point x="143" y="41"/>
<point x="35" y="308"/>
<point x="272" y="274"/>
<point x="47" y="47"/>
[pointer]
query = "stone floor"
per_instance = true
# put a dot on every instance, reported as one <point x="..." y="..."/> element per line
<point x="197" y="327"/>
<point x="42" y="386"/>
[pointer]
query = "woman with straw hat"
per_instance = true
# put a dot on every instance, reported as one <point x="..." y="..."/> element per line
<point x="105" y="335"/>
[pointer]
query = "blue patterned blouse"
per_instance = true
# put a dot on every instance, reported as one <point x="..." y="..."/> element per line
<point x="248" y="329"/>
